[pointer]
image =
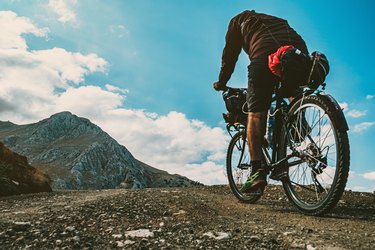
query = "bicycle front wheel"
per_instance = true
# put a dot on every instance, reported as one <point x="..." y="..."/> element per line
<point x="239" y="169"/>
<point x="318" y="173"/>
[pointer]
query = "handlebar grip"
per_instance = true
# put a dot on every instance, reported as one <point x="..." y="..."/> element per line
<point x="219" y="87"/>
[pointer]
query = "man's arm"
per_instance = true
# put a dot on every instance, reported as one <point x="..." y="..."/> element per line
<point x="232" y="49"/>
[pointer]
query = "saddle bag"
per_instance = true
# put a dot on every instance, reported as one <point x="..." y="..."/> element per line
<point x="297" y="69"/>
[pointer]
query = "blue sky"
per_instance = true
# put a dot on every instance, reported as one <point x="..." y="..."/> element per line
<point x="143" y="71"/>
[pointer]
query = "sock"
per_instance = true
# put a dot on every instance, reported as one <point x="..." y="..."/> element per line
<point x="257" y="164"/>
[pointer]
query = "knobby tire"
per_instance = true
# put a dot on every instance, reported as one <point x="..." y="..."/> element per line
<point x="342" y="161"/>
<point x="236" y="176"/>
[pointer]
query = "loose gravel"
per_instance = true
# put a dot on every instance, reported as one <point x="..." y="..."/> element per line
<point x="180" y="218"/>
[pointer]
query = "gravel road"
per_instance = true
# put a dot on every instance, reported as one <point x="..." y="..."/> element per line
<point x="180" y="218"/>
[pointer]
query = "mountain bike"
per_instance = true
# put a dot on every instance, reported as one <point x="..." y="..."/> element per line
<point x="309" y="141"/>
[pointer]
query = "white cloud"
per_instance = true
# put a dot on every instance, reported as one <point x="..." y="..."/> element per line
<point x="359" y="189"/>
<point x="369" y="97"/>
<point x="358" y="128"/>
<point x="71" y="66"/>
<point x="32" y="81"/>
<point x="369" y="175"/>
<point x="37" y="84"/>
<point x="64" y="9"/>
<point x="208" y="172"/>
<point x="344" y="105"/>
<point x="353" y="113"/>
<point x="81" y="100"/>
<point x="13" y="27"/>
<point x="356" y="113"/>
<point x="120" y="30"/>
<point x="115" y="89"/>
<point x="361" y="182"/>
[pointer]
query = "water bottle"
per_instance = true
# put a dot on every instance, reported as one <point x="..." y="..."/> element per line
<point x="270" y="123"/>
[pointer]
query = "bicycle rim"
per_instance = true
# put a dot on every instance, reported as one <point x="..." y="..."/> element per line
<point x="238" y="169"/>
<point x="317" y="182"/>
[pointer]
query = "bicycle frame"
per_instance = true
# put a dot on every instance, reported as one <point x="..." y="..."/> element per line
<point x="308" y="151"/>
<point x="273" y="161"/>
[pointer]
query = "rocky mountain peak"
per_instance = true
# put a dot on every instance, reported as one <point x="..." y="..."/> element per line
<point x="63" y="125"/>
<point x="78" y="154"/>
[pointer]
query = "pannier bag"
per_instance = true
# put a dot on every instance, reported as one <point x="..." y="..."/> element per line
<point x="296" y="69"/>
<point x="233" y="118"/>
<point x="235" y="102"/>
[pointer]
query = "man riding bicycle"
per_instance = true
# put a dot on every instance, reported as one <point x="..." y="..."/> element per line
<point x="259" y="35"/>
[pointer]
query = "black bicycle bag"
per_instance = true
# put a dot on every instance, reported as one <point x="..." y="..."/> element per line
<point x="301" y="70"/>
<point x="235" y="102"/>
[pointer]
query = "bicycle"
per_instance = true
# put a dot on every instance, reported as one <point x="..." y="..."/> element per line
<point x="309" y="142"/>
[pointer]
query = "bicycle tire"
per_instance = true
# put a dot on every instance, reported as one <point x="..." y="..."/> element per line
<point x="237" y="176"/>
<point x="300" y="189"/>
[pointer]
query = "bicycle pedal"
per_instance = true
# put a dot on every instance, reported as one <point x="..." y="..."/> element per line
<point x="244" y="166"/>
<point x="257" y="192"/>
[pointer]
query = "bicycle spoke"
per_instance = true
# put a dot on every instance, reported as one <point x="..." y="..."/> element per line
<point x="238" y="168"/>
<point x="325" y="135"/>
<point x="301" y="186"/>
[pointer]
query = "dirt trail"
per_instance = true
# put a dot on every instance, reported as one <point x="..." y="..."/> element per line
<point x="180" y="218"/>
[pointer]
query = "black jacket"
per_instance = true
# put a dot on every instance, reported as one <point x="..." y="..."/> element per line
<point x="258" y="35"/>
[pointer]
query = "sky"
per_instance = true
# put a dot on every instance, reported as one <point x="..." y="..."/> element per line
<point x="143" y="71"/>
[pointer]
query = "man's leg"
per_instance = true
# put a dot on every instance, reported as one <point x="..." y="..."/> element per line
<point x="255" y="136"/>
<point x="259" y="95"/>
<point x="256" y="128"/>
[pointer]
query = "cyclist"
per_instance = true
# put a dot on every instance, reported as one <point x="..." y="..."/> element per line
<point x="258" y="35"/>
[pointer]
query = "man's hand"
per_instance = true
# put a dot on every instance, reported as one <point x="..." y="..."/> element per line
<point x="219" y="86"/>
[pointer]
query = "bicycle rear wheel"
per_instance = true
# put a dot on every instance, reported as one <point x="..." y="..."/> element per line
<point x="319" y="172"/>
<point x="239" y="169"/>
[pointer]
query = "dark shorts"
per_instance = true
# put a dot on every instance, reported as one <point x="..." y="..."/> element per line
<point x="261" y="85"/>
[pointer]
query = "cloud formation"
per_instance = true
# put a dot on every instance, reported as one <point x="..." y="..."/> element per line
<point x="63" y="8"/>
<point x="36" y="84"/>
<point x="362" y="182"/>
<point x="344" y="105"/>
<point x="120" y="30"/>
<point x="31" y="82"/>
<point x="13" y="27"/>
<point x="353" y="113"/>
<point x="361" y="127"/>
<point x="369" y="175"/>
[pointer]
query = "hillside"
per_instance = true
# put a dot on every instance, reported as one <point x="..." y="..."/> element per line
<point x="77" y="154"/>
<point x="180" y="218"/>
<point x="17" y="176"/>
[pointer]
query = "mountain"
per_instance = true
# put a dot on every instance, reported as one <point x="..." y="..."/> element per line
<point x="77" y="154"/>
<point x="17" y="176"/>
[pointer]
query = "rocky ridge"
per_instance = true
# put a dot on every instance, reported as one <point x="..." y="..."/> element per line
<point x="78" y="154"/>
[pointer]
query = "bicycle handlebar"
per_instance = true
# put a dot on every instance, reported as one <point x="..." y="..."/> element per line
<point x="226" y="88"/>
